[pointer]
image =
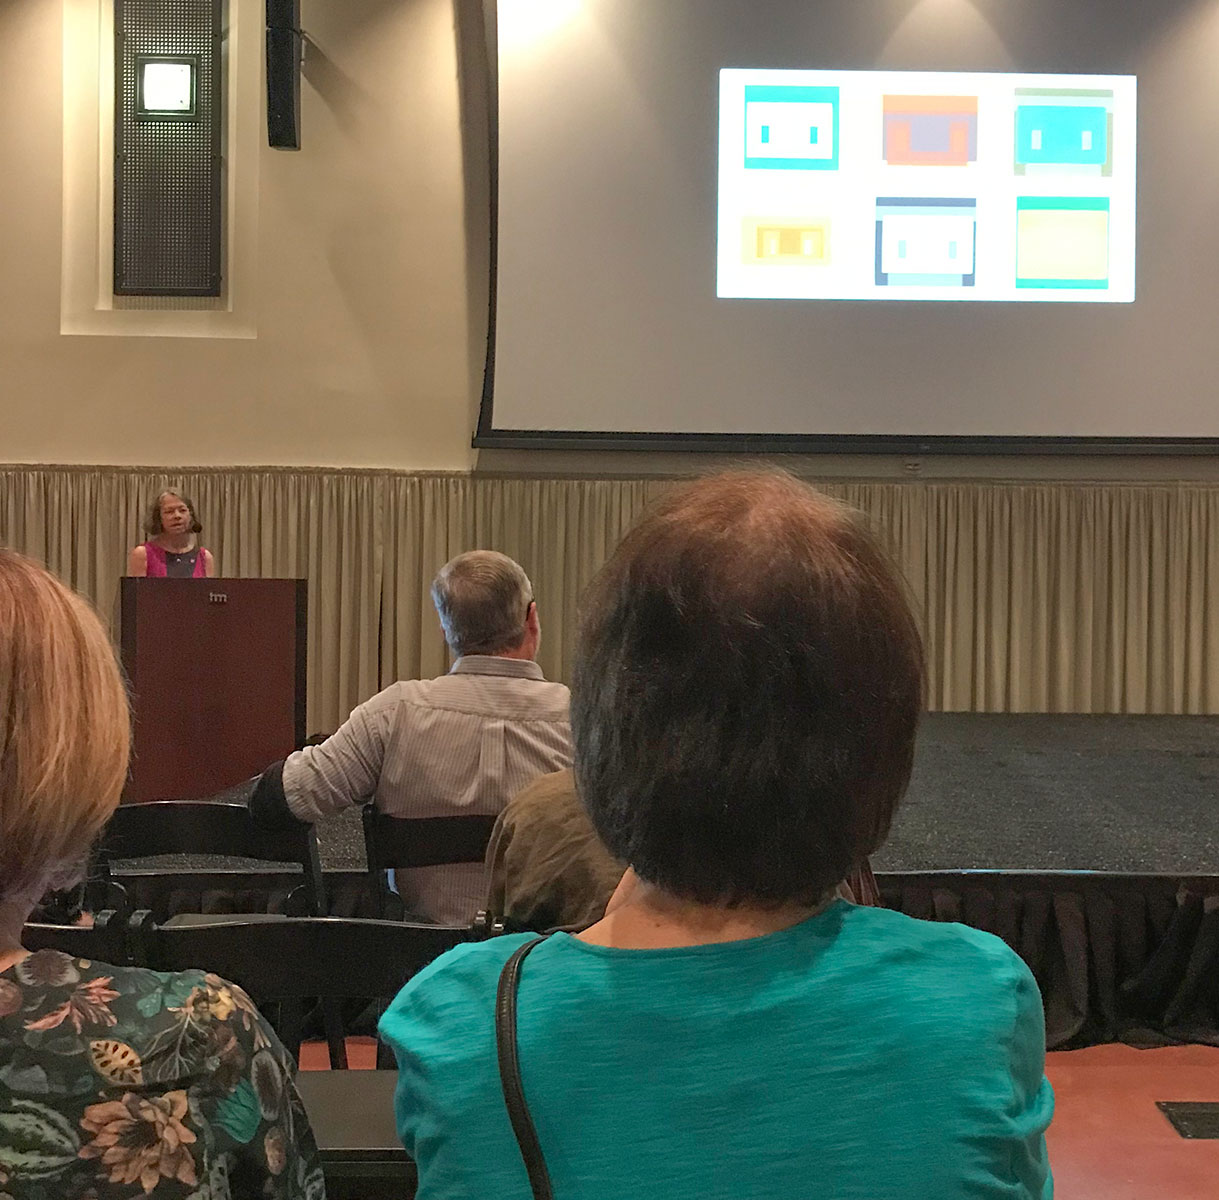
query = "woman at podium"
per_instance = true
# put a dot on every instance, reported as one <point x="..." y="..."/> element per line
<point x="173" y="550"/>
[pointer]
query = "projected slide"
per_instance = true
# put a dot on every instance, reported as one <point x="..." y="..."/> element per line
<point x="920" y="185"/>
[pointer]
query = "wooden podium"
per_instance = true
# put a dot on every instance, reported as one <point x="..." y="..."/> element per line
<point x="217" y="671"/>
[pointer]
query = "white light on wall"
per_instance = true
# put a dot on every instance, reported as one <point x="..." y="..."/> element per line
<point x="166" y="87"/>
<point x="524" y="23"/>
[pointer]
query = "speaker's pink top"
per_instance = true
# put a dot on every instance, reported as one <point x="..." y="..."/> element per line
<point x="163" y="564"/>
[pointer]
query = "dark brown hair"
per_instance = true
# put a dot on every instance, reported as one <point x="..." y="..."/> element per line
<point x="152" y="522"/>
<point x="746" y="691"/>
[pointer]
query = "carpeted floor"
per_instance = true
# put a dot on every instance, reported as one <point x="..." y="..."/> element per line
<point x="1061" y="793"/>
<point x="1015" y="792"/>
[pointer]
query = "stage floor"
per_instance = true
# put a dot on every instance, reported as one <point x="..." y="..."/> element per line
<point x="998" y="791"/>
<point x="1006" y="792"/>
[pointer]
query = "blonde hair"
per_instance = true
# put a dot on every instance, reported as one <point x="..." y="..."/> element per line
<point x="65" y="730"/>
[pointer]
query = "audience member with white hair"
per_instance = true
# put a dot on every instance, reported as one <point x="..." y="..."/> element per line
<point x="460" y="745"/>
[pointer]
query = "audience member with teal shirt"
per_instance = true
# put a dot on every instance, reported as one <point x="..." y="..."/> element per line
<point x="745" y="698"/>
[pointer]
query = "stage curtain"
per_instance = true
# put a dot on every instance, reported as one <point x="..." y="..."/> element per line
<point x="1034" y="597"/>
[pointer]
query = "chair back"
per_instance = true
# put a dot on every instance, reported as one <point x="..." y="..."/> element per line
<point x="299" y="957"/>
<point x="204" y="827"/>
<point x="395" y="843"/>
<point x="103" y="941"/>
<point x="333" y="958"/>
<point x="399" y="843"/>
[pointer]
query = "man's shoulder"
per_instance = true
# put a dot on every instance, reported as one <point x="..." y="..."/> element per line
<point x="536" y="699"/>
<point x="407" y="689"/>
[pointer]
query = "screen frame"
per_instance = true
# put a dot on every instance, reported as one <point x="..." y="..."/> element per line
<point x="487" y="436"/>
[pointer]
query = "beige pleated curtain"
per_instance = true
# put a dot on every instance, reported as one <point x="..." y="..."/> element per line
<point x="1045" y="597"/>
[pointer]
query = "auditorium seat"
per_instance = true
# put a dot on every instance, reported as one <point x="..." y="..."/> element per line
<point x="221" y="830"/>
<point x="202" y="827"/>
<point x="400" y="843"/>
<point x="296" y="959"/>
<point x="103" y="940"/>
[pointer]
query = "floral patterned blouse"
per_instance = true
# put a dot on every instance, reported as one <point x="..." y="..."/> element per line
<point x="120" y="1082"/>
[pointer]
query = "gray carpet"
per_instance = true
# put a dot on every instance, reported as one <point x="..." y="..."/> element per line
<point x="1053" y="793"/>
<point x="1013" y="792"/>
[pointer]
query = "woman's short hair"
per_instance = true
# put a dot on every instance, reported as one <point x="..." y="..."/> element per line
<point x="482" y="598"/>
<point x="746" y="691"/>
<point x="152" y="519"/>
<point x="65" y="730"/>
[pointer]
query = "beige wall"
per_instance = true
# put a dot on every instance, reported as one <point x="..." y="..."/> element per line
<point x="370" y="286"/>
<point x="361" y="357"/>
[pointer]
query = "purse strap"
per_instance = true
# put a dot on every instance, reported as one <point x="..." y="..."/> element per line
<point x="510" y="1072"/>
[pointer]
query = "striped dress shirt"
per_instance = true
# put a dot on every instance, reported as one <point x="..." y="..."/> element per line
<point x="460" y="745"/>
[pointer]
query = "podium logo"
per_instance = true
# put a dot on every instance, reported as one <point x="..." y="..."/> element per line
<point x="217" y="597"/>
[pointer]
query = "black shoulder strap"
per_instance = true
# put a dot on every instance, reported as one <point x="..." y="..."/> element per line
<point x="510" y="1073"/>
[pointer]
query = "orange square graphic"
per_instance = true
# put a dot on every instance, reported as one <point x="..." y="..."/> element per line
<point x="930" y="130"/>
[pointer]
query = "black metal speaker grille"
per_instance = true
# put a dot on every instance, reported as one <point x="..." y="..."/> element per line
<point x="167" y="171"/>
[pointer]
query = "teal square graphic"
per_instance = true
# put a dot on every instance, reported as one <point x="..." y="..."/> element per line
<point x="821" y="132"/>
<point x="1062" y="133"/>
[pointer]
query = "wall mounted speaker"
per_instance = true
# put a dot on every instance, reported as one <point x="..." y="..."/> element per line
<point x="168" y="116"/>
<point x="284" y="74"/>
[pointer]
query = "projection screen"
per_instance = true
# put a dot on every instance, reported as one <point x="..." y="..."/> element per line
<point x="770" y="224"/>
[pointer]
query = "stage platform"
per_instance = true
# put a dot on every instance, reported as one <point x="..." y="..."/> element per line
<point x="1089" y="843"/>
<point x="1001" y="792"/>
<point x="1011" y="792"/>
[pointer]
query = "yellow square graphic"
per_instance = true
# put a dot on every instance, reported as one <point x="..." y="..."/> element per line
<point x="767" y="242"/>
<point x="1061" y="243"/>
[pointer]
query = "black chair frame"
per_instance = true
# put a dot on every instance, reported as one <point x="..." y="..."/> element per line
<point x="202" y="827"/>
<point x="103" y="941"/>
<point x="334" y="958"/>
<point x="223" y="830"/>
<point x="400" y="843"/>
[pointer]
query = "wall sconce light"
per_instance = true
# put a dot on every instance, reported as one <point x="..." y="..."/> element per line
<point x="167" y="87"/>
